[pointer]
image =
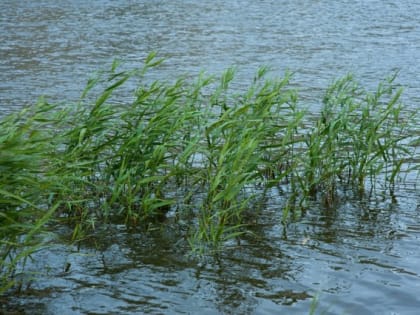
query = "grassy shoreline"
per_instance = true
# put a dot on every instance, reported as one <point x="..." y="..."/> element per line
<point x="196" y="149"/>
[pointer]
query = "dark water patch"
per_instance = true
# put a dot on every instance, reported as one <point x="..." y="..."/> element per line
<point x="352" y="263"/>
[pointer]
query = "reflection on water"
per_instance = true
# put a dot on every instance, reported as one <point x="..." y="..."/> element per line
<point x="359" y="257"/>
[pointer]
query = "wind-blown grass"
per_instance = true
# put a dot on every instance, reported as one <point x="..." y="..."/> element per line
<point x="24" y="152"/>
<point x="358" y="137"/>
<point x="195" y="148"/>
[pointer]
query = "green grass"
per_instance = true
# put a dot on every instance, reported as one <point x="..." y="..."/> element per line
<point x="195" y="148"/>
<point x="358" y="137"/>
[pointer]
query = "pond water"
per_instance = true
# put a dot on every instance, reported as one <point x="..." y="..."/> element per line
<point x="358" y="258"/>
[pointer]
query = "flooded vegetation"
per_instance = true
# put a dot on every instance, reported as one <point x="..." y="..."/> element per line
<point x="207" y="182"/>
<point x="207" y="168"/>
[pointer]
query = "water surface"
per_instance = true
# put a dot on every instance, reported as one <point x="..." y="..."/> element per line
<point x="52" y="47"/>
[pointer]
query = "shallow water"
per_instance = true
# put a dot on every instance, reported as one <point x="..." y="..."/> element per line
<point x="357" y="258"/>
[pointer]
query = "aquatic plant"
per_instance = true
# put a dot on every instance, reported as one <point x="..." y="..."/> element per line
<point x="197" y="149"/>
<point x="358" y="136"/>
<point x="24" y="148"/>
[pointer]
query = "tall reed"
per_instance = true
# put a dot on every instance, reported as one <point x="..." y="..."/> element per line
<point x="358" y="137"/>
<point x="196" y="147"/>
<point x="24" y="186"/>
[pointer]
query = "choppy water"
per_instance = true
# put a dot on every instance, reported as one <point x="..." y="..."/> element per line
<point x="358" y="258"/>
<point x="51" y="47"/>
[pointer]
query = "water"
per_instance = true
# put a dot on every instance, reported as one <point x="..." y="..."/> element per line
<point x="358" y="258"/>
<point x="52" y="47"/>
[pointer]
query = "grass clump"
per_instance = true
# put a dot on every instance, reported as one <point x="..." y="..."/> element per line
<point x="358" y="137"/>
<point x="24" y="152"/>
<point x="194" y="149"/>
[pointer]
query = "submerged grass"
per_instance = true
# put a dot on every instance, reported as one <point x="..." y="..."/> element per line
<point x="194" y="149"/>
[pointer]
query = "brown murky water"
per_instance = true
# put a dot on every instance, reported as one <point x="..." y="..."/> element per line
<point x="361" y="257"/>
